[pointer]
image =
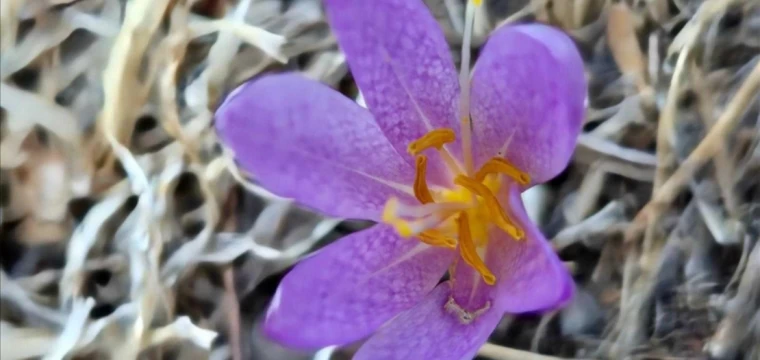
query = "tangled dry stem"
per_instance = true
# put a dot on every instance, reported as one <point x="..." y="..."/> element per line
<point x="126" y="231"/>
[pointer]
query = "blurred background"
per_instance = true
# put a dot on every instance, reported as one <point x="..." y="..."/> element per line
<point x="126" y="232"/>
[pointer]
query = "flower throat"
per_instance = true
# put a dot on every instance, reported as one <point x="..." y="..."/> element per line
<point x="458" y="216"/>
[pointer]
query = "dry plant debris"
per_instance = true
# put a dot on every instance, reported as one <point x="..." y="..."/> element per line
<point x="126" y="232"/>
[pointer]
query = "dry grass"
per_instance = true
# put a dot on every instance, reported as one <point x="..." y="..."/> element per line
<point x="126" y="232"/>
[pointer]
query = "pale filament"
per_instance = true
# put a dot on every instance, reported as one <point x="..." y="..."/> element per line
<point x="451" y="163"/>
<point x="423" y="217"/>
<point x="430" y="222"/>
<point x="420" y="211"/>
<point x="464" y="86"/>
<point x="417" y="226"/>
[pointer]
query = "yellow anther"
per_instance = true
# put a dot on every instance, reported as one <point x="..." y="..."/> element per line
<point x="403" y="228"/>
<point x="436" y="238"/>
<point x="436" y="138"/>
<point x="498" y="216"/>
<point x="461" y="216"/>
<point x="469" y="253"/>
<point x="477" y="2"/>
<point x="500" y="166"/>
<point x="421" y="190"/>
<point x="390" y="209"/>
<point x="390" y="217"/>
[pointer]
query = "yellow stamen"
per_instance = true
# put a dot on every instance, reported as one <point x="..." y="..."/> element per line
<point x="469" y="253"/>
<point x="407" y="228"/>
<point x="421" y="190"/>
<point x="498" y="216"/>
<point x="501" y="166"/>
<point x="436" y="238"/>
<point x="390" y="209"/>
<point x="463" y="215"/>
<point x="477" y="2"/>
<point x="390" y="217"/>
<point x="436" y="138"/>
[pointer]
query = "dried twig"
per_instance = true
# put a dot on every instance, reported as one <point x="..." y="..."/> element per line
<point x="497" y="352"/>
<point x="708" y="147"/>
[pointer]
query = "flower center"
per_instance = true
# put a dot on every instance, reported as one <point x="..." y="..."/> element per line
<point x="460" y="216"/>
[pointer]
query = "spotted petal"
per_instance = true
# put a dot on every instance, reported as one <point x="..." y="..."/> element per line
<point x="402" y="64"/>
<point x="528" y="93"/>
<point x="303" y="140"/>
<point x="344" y="292"/>
<point x="430" y="331"/>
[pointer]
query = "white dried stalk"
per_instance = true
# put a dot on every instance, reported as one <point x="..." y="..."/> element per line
<point x="123" y="95"/>
<point x="50" y="33"/>
<point x="12" y="292"/>
<point x="96" y="56"/>
<point x="271" y="44"/>
<point x="19" y="343"/>
<point x="71" y="333"/>
<point x="182" y="329"/>
<point x="47" y="114"/>
<point x="206" y="86"/>
<point x="601" y="222"/>
<point x="85" y="236"/>
<point x="95" y="24"/>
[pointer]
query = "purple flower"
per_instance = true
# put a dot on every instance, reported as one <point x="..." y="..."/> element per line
<point x="439" y="162"/>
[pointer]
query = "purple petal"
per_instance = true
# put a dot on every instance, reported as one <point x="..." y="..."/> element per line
<point x="347" y="290"/>
<point x="401" y="62"/>
<point x="530" y="275"/>
<point x="469" y="291"/>
<point x="566" y="54"/>
<point x="302" y="140"/>
<point x="528" y="93"/>
<point x="430" y="331"/>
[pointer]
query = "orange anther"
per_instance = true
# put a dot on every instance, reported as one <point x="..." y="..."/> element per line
<point x="468" y="251"/>
<point x="501" y="166"/>
<point x="498" y="216"/>
<point x="421" y="190"/>
<point x="436" y="238"/>
<point x="436" y="138"/>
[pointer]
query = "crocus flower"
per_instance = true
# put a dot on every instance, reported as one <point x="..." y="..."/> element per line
<point x="437" y="160"/>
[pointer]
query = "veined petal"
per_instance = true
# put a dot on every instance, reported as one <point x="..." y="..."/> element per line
<point x="401" y="62"/>
<point x="303" y="140"/>
<point x="430" y="331"/>
<point x="347" y="290"/>
<point x="528" y="94"/>
<point x="530" y="275"/>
